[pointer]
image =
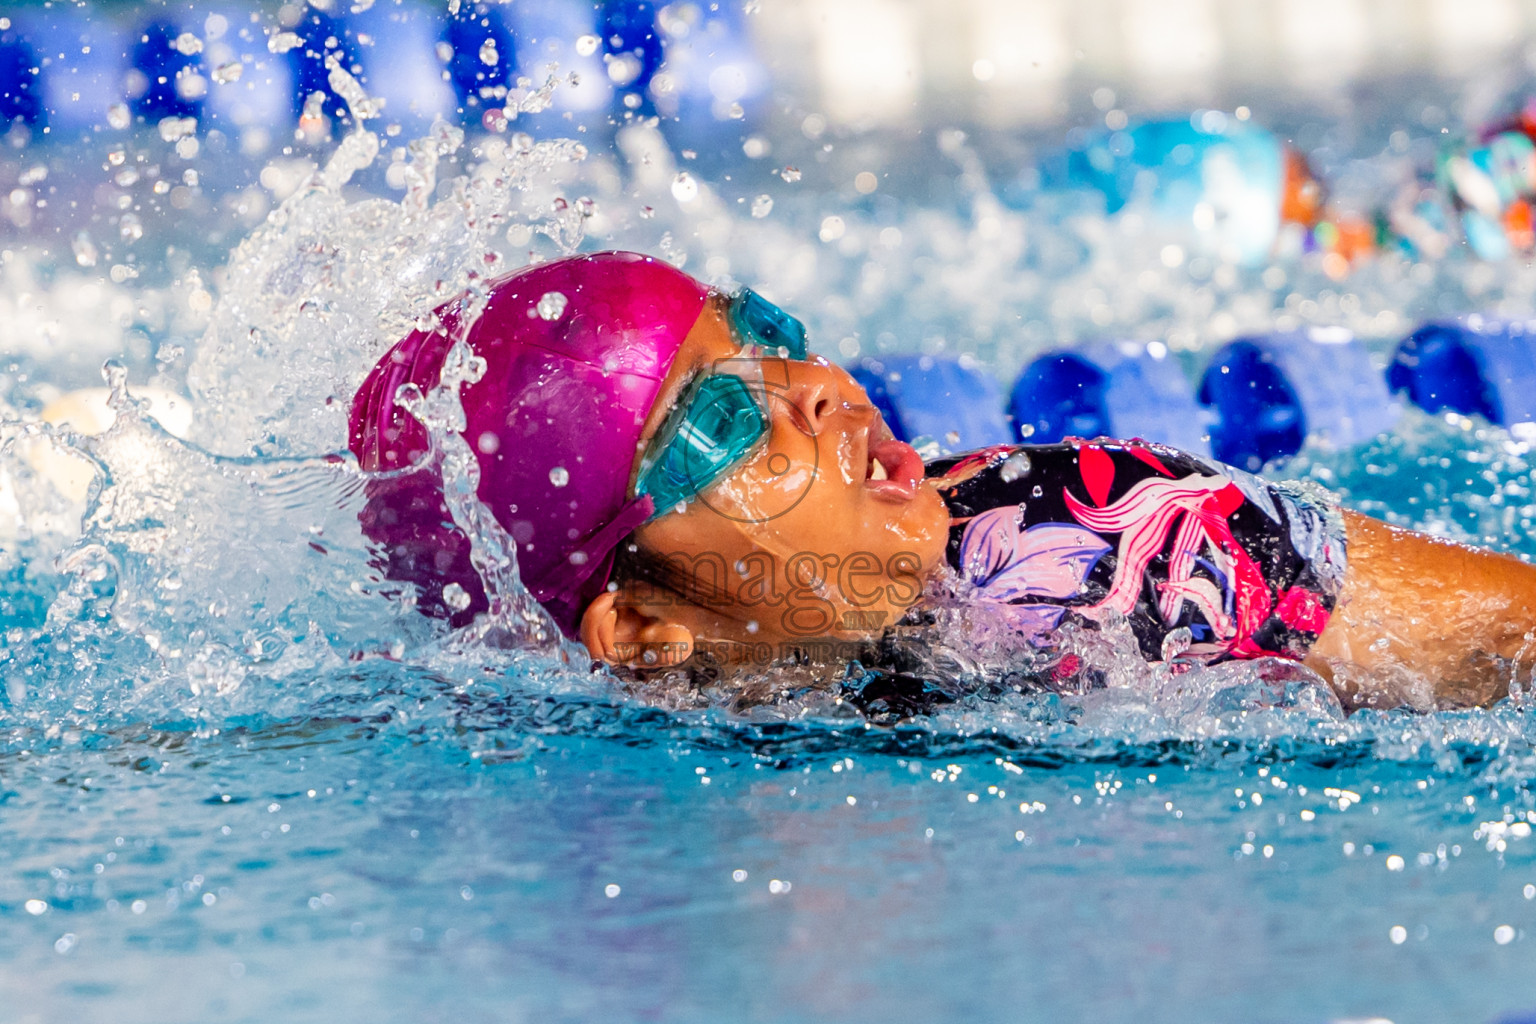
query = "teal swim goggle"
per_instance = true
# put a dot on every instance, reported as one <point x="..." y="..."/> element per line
<point x="723" y="414"/>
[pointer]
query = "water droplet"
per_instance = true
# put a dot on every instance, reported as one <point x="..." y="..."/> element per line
<point x="85" y="249"/>
<point x="130" y="228"/>
<point x="36" y="907"/>
<point x="738" y="875"/>
<point x="455" y="597"/>
<point x="762" y="206"/>
<point x="282" y="42"/>
<point x="586" y="45"/>
<point x="559" y="476"/>
<point x="229" y="72"/>
<point x="1398" y="935"/>
<point x="488" y="54"/>
<point x="551" y="306"/>
<point x="1504" y="935"/>
<point x="494" y="120"/>
<point x="188" y="44"/>
<point x="624" y="68"/>
<point x="173" y="128"/>
<point x="118" y="115"/>
<point x="685" y="188"/>
<point x="610" y="890"/>
<point x="790" y="174"/>
<point x="1014" y="466"/>
<point x="115" y="374"/>
<point x="647" y="212"/>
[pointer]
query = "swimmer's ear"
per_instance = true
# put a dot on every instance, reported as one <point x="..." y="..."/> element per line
<point x="621" y="635"/>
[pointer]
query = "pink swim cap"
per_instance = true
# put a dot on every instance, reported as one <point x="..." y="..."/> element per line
<point x="576" y="351"/>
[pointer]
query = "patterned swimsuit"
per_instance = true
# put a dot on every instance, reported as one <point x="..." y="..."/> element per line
<point x="1095" y="529"/>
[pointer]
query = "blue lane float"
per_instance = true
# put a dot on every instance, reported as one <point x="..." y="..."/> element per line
<point x="1271" y="392"/>
<point x="21" y="94"/>
<point x="251" y="88"/>
<point x="166" y="78"/>
<point x="82" y="66"/>
<point x="401" y="67"/>
<point x="563" y="33"/>
<point x="713" y="76"/>
<point x="322" y="35"/>
<point x="1113" y="389"/>
<point x="936" y="397"/>
<point x="484" y="55"/>
<point x="633" y="47"/>
<point x="62" y="67"/>
<point x="1474" y="365"/>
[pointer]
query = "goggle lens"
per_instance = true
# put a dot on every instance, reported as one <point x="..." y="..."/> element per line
<point x="759" y="320"/>
<point x="716" y="425"/>
<point x="720" y="419"/>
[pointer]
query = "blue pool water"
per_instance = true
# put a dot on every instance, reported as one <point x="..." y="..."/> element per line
<point x="241" y="780"/>
<point x="613" y="863"/>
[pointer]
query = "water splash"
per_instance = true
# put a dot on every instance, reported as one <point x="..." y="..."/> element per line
<point x="225" y="577"/>
<point x="317" y="293"/>
<point x="226" y="580"/>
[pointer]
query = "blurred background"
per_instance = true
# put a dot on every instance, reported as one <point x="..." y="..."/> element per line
<point x="1007" y="64"/>
<point x="997" y="182"/>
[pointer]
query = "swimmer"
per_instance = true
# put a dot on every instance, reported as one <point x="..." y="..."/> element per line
<point x="685" y="483"/>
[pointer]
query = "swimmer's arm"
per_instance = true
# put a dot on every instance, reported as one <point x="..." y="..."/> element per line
<point x="1426" y="622"/>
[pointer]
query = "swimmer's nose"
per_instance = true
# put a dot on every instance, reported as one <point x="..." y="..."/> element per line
<point x="817" y="393"/>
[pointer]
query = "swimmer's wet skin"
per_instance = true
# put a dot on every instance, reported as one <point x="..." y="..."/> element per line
<point x="680" y="476"/>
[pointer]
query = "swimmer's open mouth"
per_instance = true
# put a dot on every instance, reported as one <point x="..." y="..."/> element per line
<point x="894" y="468"/>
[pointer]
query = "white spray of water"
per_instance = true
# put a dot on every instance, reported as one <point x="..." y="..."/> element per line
<point x="202" y="569"/>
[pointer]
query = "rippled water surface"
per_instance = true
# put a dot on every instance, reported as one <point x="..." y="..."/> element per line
<point x="604" y="864"/>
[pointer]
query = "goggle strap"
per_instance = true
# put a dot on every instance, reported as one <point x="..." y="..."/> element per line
<point x="566" y="582"/>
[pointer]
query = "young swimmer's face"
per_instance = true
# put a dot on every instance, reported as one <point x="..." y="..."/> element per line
<point x="826" y="529"/>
